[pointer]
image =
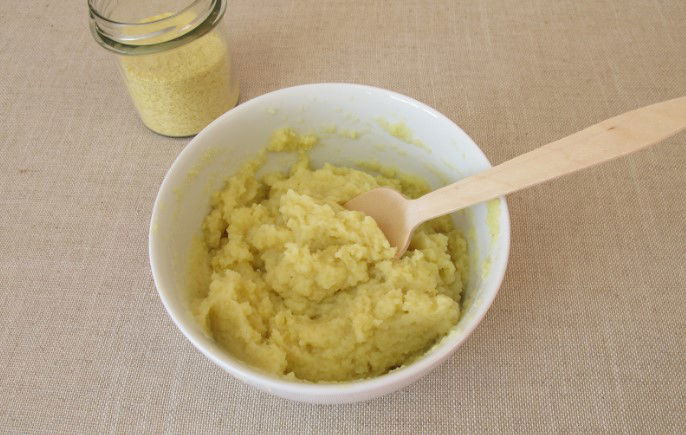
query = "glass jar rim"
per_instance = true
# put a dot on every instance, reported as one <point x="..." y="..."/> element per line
<point x="132" y="39"/>
<point x="94" y="10"/>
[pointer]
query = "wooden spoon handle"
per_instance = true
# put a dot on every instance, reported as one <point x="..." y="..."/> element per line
<point x="601" y="142"/>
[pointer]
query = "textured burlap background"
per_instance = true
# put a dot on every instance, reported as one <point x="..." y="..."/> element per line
<point x="588" y="333"/>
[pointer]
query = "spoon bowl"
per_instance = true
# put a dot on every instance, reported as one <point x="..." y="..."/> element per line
<point x="390" y="209"/>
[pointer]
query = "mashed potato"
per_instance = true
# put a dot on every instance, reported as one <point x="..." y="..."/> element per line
<point x="298" y="286"/>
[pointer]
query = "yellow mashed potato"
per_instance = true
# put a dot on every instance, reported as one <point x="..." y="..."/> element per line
<point x="298" y="286"/>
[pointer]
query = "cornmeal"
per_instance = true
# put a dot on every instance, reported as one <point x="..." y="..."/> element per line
<point x="297" y="286"/>
<point x="178" y="92"/>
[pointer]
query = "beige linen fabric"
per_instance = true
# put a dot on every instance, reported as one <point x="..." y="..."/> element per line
<point x="588" y="333"/>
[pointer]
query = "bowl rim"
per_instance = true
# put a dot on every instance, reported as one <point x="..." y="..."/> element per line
<point x="401" y="376"/>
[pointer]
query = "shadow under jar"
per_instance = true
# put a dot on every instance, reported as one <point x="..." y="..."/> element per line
<point x="173" y="57"/>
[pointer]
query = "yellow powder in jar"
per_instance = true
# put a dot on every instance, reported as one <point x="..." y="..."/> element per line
<point x="179" y="91"/>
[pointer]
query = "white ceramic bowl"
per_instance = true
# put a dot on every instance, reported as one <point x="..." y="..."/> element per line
<point x="183" y="201"/>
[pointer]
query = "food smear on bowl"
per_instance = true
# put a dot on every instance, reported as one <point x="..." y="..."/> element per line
<point x="294" y="284"/>
<point x="401" y="131"/>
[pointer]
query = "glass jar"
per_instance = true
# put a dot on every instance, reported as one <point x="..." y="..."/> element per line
<point x="173" y="57"/>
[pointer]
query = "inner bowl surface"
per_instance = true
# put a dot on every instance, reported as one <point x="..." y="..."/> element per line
<point x="355" y="124"/>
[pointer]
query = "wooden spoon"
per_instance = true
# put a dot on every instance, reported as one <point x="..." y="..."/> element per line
<point x="398" y="216"/>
